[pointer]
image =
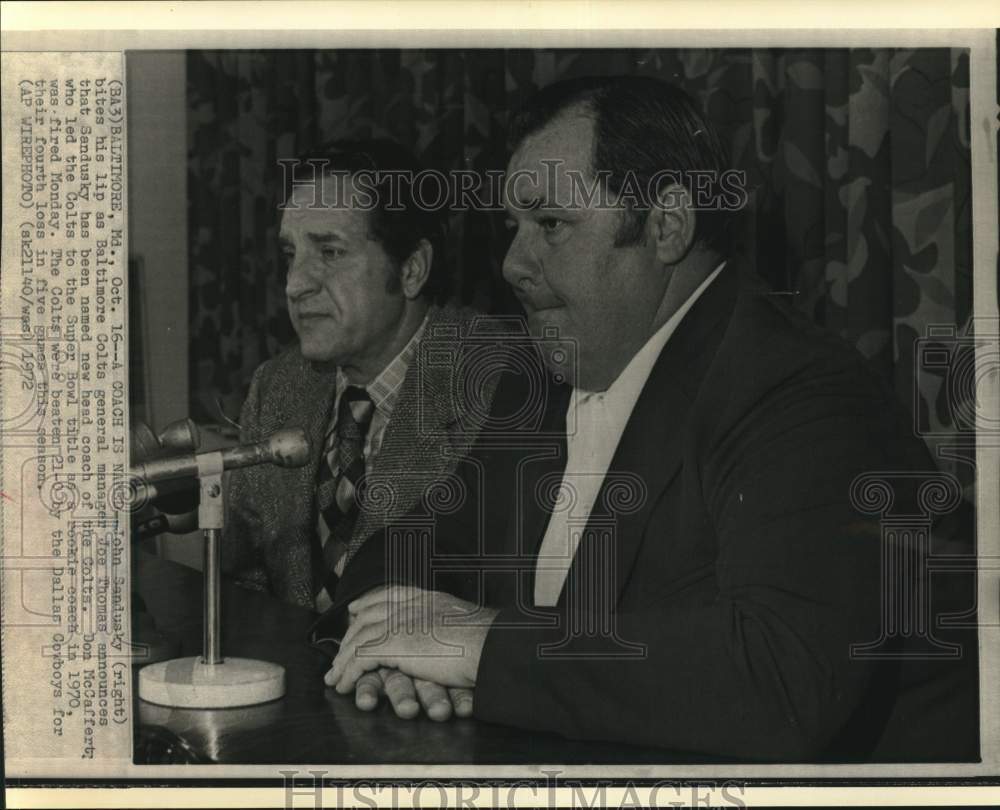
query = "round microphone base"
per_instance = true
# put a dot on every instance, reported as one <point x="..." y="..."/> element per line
<point x="191" y="684"/>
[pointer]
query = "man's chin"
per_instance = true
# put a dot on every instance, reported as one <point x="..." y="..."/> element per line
<point x="323" y="355"/>
<point x="541" y="319"/>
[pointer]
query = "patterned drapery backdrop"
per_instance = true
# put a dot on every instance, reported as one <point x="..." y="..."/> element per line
<point x="858" y="161"/>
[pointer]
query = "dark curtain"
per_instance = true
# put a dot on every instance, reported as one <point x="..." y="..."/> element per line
<point x="858" y="161"/>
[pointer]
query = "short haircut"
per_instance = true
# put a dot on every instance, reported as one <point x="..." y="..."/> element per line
<point x="642" y="126"/>
<point x="396" y="220"/>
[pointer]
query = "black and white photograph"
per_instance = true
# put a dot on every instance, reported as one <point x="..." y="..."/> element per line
<point x="613" y="377"/>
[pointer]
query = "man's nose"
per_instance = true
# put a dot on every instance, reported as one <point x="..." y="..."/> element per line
<point x="520" y="269"/>
<point x="300" y="281"/>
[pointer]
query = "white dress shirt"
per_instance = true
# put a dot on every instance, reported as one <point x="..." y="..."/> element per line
<point x="600" y="422"/>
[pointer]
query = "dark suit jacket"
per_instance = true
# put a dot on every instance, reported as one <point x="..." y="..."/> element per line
<point x="269" y="536"/>
<point x="723" y="574"/>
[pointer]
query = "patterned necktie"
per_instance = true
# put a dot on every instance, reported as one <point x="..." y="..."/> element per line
<point x="339" y="476"/>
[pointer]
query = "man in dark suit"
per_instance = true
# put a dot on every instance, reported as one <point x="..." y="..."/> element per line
<point x="364" y="275"/>
<point x="673" y="554"/>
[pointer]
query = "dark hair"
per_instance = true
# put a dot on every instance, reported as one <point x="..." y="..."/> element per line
<point x="642" y="126"/>
<point x="396" y="220"/>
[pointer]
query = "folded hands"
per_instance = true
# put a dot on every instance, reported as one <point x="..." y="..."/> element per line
<point x="418" y="648"/>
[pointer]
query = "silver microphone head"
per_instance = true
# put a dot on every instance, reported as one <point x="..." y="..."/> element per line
<point x="288" y="447"/>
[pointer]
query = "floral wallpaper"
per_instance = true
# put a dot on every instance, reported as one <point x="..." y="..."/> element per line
<point x="858" y="161"/>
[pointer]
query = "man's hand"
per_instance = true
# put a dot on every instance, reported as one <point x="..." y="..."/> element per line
<point x="407" y="695"/>
<point x="429" y="635"/>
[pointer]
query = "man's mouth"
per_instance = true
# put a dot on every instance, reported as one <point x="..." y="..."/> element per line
<point x="536" y="311"/>
<point x="532" y="307"/>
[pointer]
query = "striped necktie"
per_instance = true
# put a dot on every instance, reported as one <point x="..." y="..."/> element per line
<point x="340" y="479"/>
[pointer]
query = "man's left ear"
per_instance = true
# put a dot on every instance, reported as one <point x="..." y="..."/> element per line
<point x="672" y="224"/>
<point x="416" y="269"/>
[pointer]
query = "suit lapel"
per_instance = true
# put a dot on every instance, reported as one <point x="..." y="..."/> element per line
<point x="421" y="434"/>
<point x="650" y="451"/>
<point x="548" y="461"/>
<point x="307" y="403"/>
<point x="525" y="467"/>
<point x="314" y="410"/>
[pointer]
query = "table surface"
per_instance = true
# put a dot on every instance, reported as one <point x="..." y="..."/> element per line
<point x="313" y="724"/>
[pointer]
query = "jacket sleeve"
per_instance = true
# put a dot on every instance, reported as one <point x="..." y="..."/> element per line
<point x="242" y="550"/>
<point x="394" y="556"/>
<point x="400" y="556"/>
<point x="765" y="669"/>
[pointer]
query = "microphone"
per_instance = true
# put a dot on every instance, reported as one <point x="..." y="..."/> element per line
<point x="285" y="448"/>
<point x="166" y="524"/>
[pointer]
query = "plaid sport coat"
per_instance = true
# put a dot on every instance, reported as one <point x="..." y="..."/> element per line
<point x="269" y="536"/>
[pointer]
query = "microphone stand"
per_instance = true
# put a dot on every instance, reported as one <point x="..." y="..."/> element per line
<point x="211" y="681"/>
<point x="210" y="520"/>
